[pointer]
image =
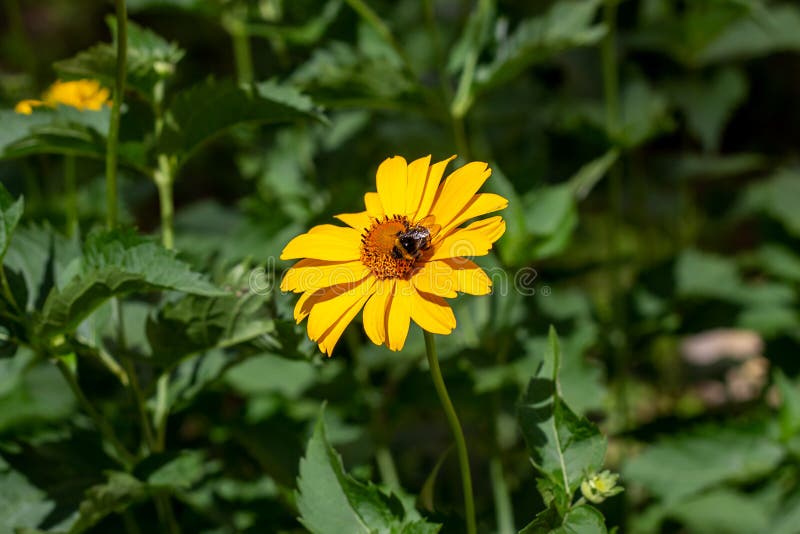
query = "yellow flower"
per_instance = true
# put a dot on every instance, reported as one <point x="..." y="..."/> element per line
<point x="79" y="94"/>
<point x="399" y="259"/>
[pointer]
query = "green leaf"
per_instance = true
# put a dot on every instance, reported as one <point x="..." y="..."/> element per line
<point x="704" y="458"/>
<point x="583" y="181"/>
<point x="10" y="214"/>
<point x="644" y="115"/>
<point x="38" y="395"/>
<point x="778" y="197"/>
<point x="62" y="130"/>
<point x="120" y="491"/>
<point x="330" y="501"/>
<point x="790" y="406"/>
<point x="150" y="59"/>
<point x="773" y="29"/>
<point x="211" y="108"/>
<point x="196" y="323"/>
<point x="272" y="374"/>
<point x="582" y="519"/>
<point x="708" y="105"/>
<point x="177" y="472"/>
<point x="21" y="503"/>
<point x="567" y="24"/>
<point x="116" y="263"/>
<point x="779" y="261"/>
<point x="563" y="446"/>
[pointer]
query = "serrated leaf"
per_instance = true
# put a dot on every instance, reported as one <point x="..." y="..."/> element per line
<point x="150" y="58"/>
<point x="115" y="495"/>
<point x="563" y="447"/>
<point x="10" y="214"/>
<point x="704" y="458"/>
<point x="212" y="107"/>
<point x="330" y="501"/>
<point x="116" y="263"/>
<point x="567" y="24"/>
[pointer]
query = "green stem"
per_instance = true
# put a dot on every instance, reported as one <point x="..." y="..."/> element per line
<point x="164" y="179"/>
<point x="116" y="106"/>
<point x="102" y="425"/>
<point x="455" y="428"/>
<point x="71" y="194"/>
<point x="242" y="54"/>
<point x="160" y="415"/>
<point x="165" y="514"/>
<point x="6" y="287"/>
<point x="504" y="510"/>
<point x="464" y="94"/>
<point x="386" y="467"/>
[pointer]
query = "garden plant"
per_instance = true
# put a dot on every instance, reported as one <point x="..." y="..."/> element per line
<point x="402" y="267"/>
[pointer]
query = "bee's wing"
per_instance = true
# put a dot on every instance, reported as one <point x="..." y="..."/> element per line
<point x="429" y="222"/>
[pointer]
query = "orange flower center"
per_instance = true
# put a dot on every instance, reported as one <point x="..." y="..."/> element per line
<point x="377" y="248"/>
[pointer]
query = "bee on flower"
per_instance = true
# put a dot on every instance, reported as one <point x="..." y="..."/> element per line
<point x="80" y="94"/>
<point x="400" y="258"/>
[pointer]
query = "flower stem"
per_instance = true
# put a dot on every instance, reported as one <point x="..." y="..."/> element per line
<point x="502" y="500"/>
<point x="71" y="194"/>
<point x="455" y="427"/>
<point x="102" y="425"/>
<point x="164" y="182"/>
<point x="116" y="106"/>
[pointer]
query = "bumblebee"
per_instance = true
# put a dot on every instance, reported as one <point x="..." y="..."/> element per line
<point x="415" y="239"/>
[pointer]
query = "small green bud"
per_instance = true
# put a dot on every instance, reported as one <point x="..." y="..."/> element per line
<point x="599" y="486"/>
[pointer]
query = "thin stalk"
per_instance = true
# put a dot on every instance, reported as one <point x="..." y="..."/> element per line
<point x="160" y="416"/>
<point x="504" y="511"/>
<point x="102" y="425"/>
<point x="164" y="179"/>
<point x="242" y="53"/>
<point x="464" y="95"/>
<point x="165" y="514"/>
<point x="386" y="467"/>
<point x="71" y="194"/>
<point x="455" y="428"/>
<point x="6" y="288"/>
<point x="611" y="94"/>
<point x="116" y="105"/>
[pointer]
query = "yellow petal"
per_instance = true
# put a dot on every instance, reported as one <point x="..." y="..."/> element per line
<point x="358" y="221"/>
<point x="375" y="311"/>
<point x="480" y="204"/>
<point x="469" y="277"/>
<point x="474" y="240"/>
<point x="432" y="313"/>
<point x="431" y="186"/>
<point x="372" y="201"/>
<point x="25" y="107"/>
<point x="457" y="190"/>
<point x="392" y="179"/>
<point x="331" y="310"/>
<point x="325" y="242"/>
<point x="399" y="316"/>
<point x="327" y="341"/>
<point x="311" y="274"/>
<point x="436" y="278"/>
<point x="417" y="177"/>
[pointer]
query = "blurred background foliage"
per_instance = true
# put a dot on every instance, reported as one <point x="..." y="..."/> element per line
<point x="649" y="152"/>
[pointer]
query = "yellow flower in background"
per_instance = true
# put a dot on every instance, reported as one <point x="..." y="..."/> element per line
<point x="79" y="94"/>
<point x="399" y="259"/>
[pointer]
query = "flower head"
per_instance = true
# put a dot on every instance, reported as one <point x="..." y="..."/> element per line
<point x="79" y="94"/>
<point x="598" y="487"/>
<point x="400" y="258"/>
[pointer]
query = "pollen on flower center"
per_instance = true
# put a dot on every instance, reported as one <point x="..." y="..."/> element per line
<point x="377" y="245"/>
